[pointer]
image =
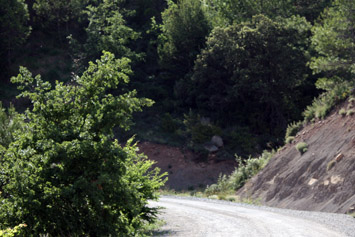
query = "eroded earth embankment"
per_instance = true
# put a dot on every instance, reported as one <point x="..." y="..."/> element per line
<point x="321" y="179"/>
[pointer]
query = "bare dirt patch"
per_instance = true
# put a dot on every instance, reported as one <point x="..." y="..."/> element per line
<point x="185" y="173"/>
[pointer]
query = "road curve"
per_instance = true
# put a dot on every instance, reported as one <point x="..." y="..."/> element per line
<point x="196" y="217"/>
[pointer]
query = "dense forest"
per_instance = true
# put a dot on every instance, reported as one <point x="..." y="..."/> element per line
<point x="242" y="70"/>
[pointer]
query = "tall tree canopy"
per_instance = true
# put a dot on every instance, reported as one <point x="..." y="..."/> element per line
<point x="106" y="30"/>
<point x="240" y="10"/>
<point x="184" y="31"/>
<point x="334" y="40"/>
<point x="251" y="73"/>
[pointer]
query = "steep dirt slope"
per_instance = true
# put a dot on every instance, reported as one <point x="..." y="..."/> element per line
<point x="295" y="181"/>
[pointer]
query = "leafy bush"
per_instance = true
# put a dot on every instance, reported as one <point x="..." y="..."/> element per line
<point x="241" y="139"/>
<point x="292" y="129"/>
<point x="168" y="123"/>
<point x="350" y="112"/>
<point x="321" y="106"/>
<point x="66" y="174"/>
<point x="248" y="169"/>
<point x="199" y="131"/>
<point x="302" y="147"/>
<point x="289" y="139"/>
<point x="11" y="232"/>
<point x="342" y="112"/>
<point x="245" y="170"/>
<point x="223" y="185"/>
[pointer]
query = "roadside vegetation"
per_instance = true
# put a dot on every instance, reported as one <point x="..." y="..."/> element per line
<point x="238" y="71"/>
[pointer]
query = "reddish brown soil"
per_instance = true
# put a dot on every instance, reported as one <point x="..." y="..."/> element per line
<point x="292" y="180"/>
<point x="184" y="173"/>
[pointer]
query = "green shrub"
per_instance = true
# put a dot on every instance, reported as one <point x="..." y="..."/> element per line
<point x="241" y="139"/>
<point x="168" y="123"/>
<point x="65" y="174"/>
<point x="231" y="199"/>
<point x="199" y="132"/>
<point x="245" y="170"/>
<point x="289" y="139"/>
<point x="342" y="112"/>
<point x="222" y="186"/>
<point x="248" y="168"/>
<point x="350" y="112"/>
<point x="11" y="232"/>
<point x="293" y="128"/>
<point x="321" y="106"/>
<point x="302" y="147"/>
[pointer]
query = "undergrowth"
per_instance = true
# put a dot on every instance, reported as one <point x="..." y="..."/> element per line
<point x="245" y="170"/>
<point x="292" y="130"/>
<point x="333" y="95"/>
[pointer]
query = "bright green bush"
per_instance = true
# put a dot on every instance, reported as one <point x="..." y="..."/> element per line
<point x="302" y="147"/>
<point x="11" y="232"/>
<point x="66" y="174"/>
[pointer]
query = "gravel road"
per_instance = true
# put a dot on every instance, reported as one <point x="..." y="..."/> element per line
<point x="192" y="217"/>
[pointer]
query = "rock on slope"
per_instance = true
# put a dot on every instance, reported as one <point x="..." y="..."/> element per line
<point x="303" y="182"/>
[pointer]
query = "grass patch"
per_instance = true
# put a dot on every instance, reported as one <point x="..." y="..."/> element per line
<point x="153" y="229"/>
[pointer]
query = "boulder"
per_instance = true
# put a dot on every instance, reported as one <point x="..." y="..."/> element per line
<point x="217" y="141"/>
<point x="210" y="147"/>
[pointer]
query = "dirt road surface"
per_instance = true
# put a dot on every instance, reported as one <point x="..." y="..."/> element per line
<point x="199" y="217"/>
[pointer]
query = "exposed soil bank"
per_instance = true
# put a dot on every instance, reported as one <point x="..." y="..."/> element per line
<point x="184" y="172"/>
<point x="322" y="179"/>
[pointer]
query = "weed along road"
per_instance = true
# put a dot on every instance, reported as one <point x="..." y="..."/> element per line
<point x="190" y="217"/>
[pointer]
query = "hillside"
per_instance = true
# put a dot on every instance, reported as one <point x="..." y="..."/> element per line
<point x="322" y="179"/>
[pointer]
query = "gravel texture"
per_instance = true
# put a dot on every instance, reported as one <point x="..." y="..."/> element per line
<point x="190" y="216"/>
